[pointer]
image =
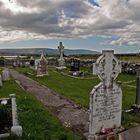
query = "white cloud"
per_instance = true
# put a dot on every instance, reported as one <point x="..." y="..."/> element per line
<point x="25" y="19"/>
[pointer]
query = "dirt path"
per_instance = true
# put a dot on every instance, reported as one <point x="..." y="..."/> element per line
<point x="70" y="114"/>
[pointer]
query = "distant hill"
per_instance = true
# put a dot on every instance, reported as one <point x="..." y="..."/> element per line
<point x="45" y="50"/>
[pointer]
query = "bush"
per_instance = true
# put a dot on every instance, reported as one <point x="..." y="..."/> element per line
<point x="5" y="118"/>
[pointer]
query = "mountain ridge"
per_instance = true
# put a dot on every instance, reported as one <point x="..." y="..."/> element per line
<point x="49" y="51"/>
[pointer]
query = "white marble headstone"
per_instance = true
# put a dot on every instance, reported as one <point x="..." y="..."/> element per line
<point x="36" y="63"/>
<point x="5" y="75"/>
<point x="105" y="98"/>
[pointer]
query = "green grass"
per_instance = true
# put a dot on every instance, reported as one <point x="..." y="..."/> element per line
<point x="75" y="89"/>
<point x="38" y="123"/>
<point x="78" y="90"/>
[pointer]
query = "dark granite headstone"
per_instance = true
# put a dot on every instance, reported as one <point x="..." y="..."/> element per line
<point x="2" y="63"/>
<point x="75" y="65"/>
<point x="137" y="102"/>
<point x="32" y="61"/>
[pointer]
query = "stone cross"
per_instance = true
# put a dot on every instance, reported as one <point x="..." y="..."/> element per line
<point x="137" y="102"/>
<point x="105" y="98"/>
<point x="61" y="50"/>
<point x="107" y="67"/>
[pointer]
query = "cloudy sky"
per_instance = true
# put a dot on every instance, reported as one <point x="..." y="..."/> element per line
<point x="86" y="24"/>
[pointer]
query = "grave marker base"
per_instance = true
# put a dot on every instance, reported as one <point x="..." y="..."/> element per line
<point x="107" y="136"/>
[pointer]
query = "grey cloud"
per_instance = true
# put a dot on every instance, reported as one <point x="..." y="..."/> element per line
<point x="73" y="18"/>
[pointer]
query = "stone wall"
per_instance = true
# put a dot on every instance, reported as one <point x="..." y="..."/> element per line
<point x="129" y="68"/>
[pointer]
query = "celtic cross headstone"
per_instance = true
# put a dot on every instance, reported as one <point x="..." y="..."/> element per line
<point x="61" y="61"/>
<point x="105" y="98"/>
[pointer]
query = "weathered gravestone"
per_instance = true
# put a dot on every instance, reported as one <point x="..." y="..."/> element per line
<point x="136" y="106"/>
<point x="61" y="61"/>
<point x="42" y="66"/>
<point x="138" y="88"/>
<point x="36" y="63"/>
<point x="75" y="64"/>
<point x="2" y="62"/>
<point x="5" y="75"/>
<point x="94" y="69"/>
<point x="1" y="81"/>
<point x="32" y="61"/>
<point x="105" y="98"/>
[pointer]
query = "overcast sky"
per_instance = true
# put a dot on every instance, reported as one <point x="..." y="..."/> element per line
<point x="86" y="24"/>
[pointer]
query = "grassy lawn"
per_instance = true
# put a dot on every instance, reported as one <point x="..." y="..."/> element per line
<point x="78" y="90"/>
<point x="38" y="123"/>
<point x="75" y="89"/>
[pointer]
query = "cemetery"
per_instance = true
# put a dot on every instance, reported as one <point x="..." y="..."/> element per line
<point x="69" y="98"/>
<point x="56" y="103"/>
<point x="70" y="70"/>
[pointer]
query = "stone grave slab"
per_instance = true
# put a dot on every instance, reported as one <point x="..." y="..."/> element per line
<point x="131" y="134"/>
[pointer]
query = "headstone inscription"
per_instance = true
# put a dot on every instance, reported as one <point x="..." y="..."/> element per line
<point x="42" y="66"/>
<point x="105" y="98"/>
<point x="75" y="64"/>
<point x="61" y="61"/>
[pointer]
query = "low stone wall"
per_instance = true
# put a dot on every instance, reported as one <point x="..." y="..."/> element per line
<point x="129" y="68"/>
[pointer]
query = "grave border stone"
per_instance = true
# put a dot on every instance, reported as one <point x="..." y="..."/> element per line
<point x="15" y="128"/>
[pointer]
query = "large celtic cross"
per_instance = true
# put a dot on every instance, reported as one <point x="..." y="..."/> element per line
<point x="108" y="68"/>
<point x="61" y="50"/>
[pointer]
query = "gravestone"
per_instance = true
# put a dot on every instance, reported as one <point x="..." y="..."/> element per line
<point x="1" y="81"/>
<point x="27" y="64"/>
<point x="32" y="61"/>
<point x="18" y="60"/>
<point x="94" y="69"/>
<point x="75" y="65"/>
<point x="36" y="63"/>
<point x="42" y="66"/>
<point x="137" y="102"/>
<point x="5" y="75"/>
<point x="61" y="61"/>
<point x="2" y="62"/>
<point x="105" y="98"/>
<point x="136" y="106"/>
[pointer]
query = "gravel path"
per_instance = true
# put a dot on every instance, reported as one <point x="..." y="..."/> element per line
<point x="69" y="113"/>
